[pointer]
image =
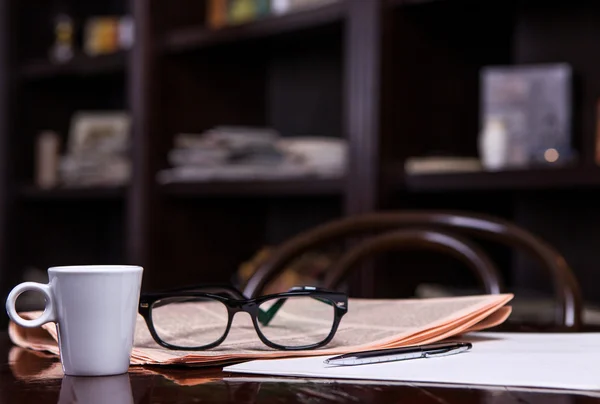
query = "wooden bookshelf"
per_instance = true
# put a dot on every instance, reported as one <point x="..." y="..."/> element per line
<point x="284" y="188"/>
<point x="394" y="78"/>
<point x="79" y="66"/>
<point x="33" y="193"/>
<point x="531" y="179"/>
<point x="399" y="3"/>
<point x="198" y="37"/>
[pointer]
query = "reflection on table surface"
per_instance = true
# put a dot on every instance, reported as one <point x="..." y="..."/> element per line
<point x="30" y="376"/>
<point x="96" y="390"/>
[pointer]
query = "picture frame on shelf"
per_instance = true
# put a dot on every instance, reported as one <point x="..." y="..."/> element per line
<point x="533" y="103"/>
<point x="99" y="132"/>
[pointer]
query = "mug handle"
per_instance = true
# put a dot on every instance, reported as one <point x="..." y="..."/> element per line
<point x="49" y="311"/>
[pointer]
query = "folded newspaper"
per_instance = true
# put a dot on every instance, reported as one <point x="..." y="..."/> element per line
<point x="369" y="324"/>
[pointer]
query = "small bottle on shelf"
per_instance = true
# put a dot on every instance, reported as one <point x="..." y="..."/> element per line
<point x="62" y="48"/>
<point x="47" y="156"/>
<point x="493" y="144"/>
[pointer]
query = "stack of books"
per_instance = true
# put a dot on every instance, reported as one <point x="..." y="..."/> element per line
<point x="221" y="13"/>
<point x="244" y="153"/>
<point x="94" y="170"/>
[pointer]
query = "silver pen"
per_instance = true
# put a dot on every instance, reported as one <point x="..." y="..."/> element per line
<point x="399" y="354"/>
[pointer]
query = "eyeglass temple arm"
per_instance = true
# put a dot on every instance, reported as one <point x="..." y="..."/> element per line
<point x="265" y="317"/>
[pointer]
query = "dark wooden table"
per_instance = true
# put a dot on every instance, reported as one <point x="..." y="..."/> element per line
<point x="28" y="377"/>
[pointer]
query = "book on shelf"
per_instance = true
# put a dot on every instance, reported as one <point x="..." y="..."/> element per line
<point x="221" y="13"/>
<point x="97" y="152"/>
<point x="91" y="170"/>
<point x="216" y="13"/>
<point x="288" y="6"/>
<point x="252" y="154"/>
<point x="441" y="165"/>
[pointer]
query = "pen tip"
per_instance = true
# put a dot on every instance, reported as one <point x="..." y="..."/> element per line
<point x="326" y="361"/>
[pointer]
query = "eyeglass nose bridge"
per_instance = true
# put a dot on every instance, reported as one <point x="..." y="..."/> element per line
<point x="237" y="306"/>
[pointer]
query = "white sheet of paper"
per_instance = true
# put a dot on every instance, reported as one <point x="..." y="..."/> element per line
<point x="557" y="361"/>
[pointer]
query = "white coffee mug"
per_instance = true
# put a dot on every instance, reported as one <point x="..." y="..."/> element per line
<point x="94" y="308"/>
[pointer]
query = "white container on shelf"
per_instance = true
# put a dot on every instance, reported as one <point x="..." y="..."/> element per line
<point x="494" y="144"/>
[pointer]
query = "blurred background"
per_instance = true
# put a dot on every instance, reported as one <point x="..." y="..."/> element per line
<point x="194" y="136"/>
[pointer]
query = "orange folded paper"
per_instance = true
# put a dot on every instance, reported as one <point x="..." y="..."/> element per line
<point x="369" y="324"/>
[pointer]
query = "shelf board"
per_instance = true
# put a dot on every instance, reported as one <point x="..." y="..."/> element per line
<point x="30" y="192"/>
<point x="190" y="38"/>
<point x="276" y="188"/>
<point x="532" y="179"/>
<point x="80" y="65"/>
<point x="400" y="3"/>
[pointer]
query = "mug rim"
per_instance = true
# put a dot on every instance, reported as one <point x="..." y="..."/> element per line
<point x="95" y="269"/>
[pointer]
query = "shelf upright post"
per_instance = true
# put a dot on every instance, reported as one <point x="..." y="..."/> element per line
<point x="7" y="276"/>
<point x="141" y="200"/>
<point x="362" y="116"/>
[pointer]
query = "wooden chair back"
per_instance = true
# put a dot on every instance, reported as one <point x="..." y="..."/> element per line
<point x="434" y="230"/>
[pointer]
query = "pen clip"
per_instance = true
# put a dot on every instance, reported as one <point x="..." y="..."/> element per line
<point x="446" y="352"/>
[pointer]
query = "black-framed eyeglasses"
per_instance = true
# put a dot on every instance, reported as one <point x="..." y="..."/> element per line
<point x="200" y="317"/>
